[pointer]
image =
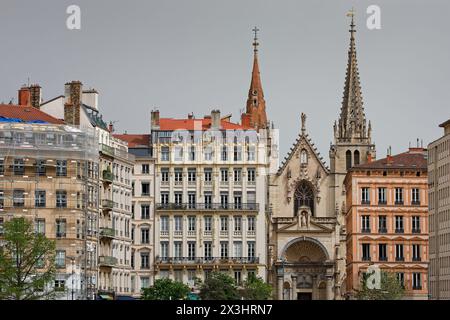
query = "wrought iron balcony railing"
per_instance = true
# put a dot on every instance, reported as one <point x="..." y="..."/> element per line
<point x="206" y="260"/>
<point x="107" y="261"/>
<point x="208" y="206"/>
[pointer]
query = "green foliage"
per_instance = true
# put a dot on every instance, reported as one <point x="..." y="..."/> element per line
<point x="255" y="288"/>
<point x="166" y="289"/>
<point x="219" y="286"/>
<point x="390" y="289"/>
<point x="27" y="262"/>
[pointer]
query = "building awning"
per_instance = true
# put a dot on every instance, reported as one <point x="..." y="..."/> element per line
<point x="106" y="297"/>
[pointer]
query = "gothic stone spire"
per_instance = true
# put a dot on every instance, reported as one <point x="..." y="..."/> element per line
<point x="256" y="105"/>
<point x="352" y="121"/>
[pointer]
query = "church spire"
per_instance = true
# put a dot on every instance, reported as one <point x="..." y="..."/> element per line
<point x="256" y="105"/>
<point x="352" y="121"/>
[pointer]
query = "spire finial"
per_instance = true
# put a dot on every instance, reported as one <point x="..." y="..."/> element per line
<point x="351" y="13"/>
<point x="255" y="39"/>
<point x="303" y="123"/>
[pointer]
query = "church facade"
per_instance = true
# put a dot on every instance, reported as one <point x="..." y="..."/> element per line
<point x="306" y="233"/>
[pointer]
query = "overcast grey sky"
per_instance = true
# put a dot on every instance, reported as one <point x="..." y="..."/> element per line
<point x="192" y="56"/>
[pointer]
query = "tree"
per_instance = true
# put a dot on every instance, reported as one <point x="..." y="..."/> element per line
<point x="166" y="289"/>
<point x="27" y="262"/>
<point x="255" y="288"/>
<point x="219" y="286"/>
<point x="390" y="288"/>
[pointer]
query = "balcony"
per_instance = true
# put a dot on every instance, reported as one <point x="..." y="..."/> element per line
<point x="107" y="261"/>
<point x="382" y="202"/>
<point x="365" y="258"/>
<point x="399" y="230"/>
<point x="382" y="230"/>
<point x="107" y="233"/>
<point x="365" y="202"/>
<point x="107" y="204"/>
<point x="416" y="230"/>
<point x="415" y="203"/>
<point x="399" y="258"/>
<point x="398" y="202"/>
<point x="207" y="260"/>
<point x="107" y="150"/>
<point x="207" y="207"/>
<point x="382" y="258"/>
<point x="417" y="259"/>
<point x="108" y="176"/>
<point x="365" y="230"/>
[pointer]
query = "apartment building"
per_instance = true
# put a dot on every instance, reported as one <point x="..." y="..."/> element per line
<point x="439" y="205"/>
<point x="387" y="220"/>
<point x="210" y="188"/>
<point x="80" y="107"/>
<point x="142" y="208"/>
<point x="46" y="175"/>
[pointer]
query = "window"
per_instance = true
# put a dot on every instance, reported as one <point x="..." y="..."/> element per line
<point x="192" y="153"/>
<point x="401" y="278"/>
<point x="191" y="250"/>
<point x="415" y="193"/>
<point x="208" y="223"/>
<point x="178" y="220"/>
<point x="61" y="168"/>
<point x="237" y="249"/>
<point x="145" y="169"/>
<point x="2" y="221"/>
<point x="178" y="174"/>
<point x="224" y="223"/>
<point x="39" y="198"/>
<point x="398" y="195"/>
<point x="208" y="200"/>
<point x="208" y="175"/>
<point x="237" y="277"/>
<point x="178" y="249"/>
<point x="356" y="157"/>
<point x="251" y="249"/>
<point x="192" y="175"/>
<point x="178" y="198"/>
<point x="192" y="196"/>
<point x="164" y="224"/>
<point x="18" y="198"/>
<point x="60" y="258"/>
<point x="224" y="153"/>
<point x="164" y="175"/>
<point x="416" y="224"/>
<point x="165" y="154"/>
<point x="251" y="154"/>
<point x="145" y="282"/>
<point x="224" y="175"/>
<point x="145" y="211"/>
<point x="382" y="226"/>
<point x="237" y="175"/>
<point x="2" y="199"/>
<point x="145" y="260"/>
<point x="40" y="168"/>
<point x="237" y="200"/>
<point x="399" y="224"/>
<point x="145" y="191"/>
<point x="164" y="250"/>
<point x="145" y="236"/>
<point x="365" y="224"/>
<point x="61" y="199"/>
<point x="382" y="196"/>
<point x="348" y="159"/>
<point x="237" y="223"/>
<point x="237" y="153"/>
<point x="60" y="285"/>
<point x="399" y="252"/>
<point x="304" y="196"/>
<point x="416" y="281"/>
<point x="208" y="153"/>
<point x="19" y="167"/>
<point x="251" y="225"/>
<point x="164" y="198"/>
<point x="39" y="226"/>
<point x="303" y="157"/>
<point x="365" y="196"/>
<point x="60" y="228"/>
<point x="251" y="175"/>
<point x="178" y="153"/>
<point x="2" y="167"/>
<point x="224" y="200"/>
<point x="366" y="252"/>
<point x="191" y="223"/>
<point x="416" y="252"/>
<point x="224" y="249"/>
<point x="382" y="253"/>
<point x="208" y="249"/>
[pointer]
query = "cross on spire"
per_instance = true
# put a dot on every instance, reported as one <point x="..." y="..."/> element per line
<point x="255" y="42"/>
<point x="352" y="13"/>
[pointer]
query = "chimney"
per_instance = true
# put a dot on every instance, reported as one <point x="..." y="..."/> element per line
<point x="24" y="97"/>
<point x="389" y="155"/>
<point x="90" y="97"/>
<point x="72" y="106"/>
<point x="191" y="116"/>
<point x="111" y="127"/>
<point x="369" y="158"/>
<point x="155" y="120"/>
<point x="36" y="95"/>
<point x="215" y="119"/>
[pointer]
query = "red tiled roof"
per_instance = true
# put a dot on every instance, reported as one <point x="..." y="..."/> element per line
<point x="26" y="113"/>
<point x="169" y="124"/>
<point x="414" y="158"/>
<point x="134" y="140"/>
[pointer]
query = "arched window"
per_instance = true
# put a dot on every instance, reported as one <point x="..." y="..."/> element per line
<point x="303" y="157"/>
<point x="356" y="158"/>
<point x="348" y="159"/>
<point x="304" y="196"/>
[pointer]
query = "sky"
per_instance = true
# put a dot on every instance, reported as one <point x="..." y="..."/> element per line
<point x="196" y="55"/>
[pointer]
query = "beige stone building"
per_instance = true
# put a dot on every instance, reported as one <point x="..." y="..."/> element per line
<point x="439" y="206"/>
<point x="307" y="229"/>
<point x="46" y="175"/>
